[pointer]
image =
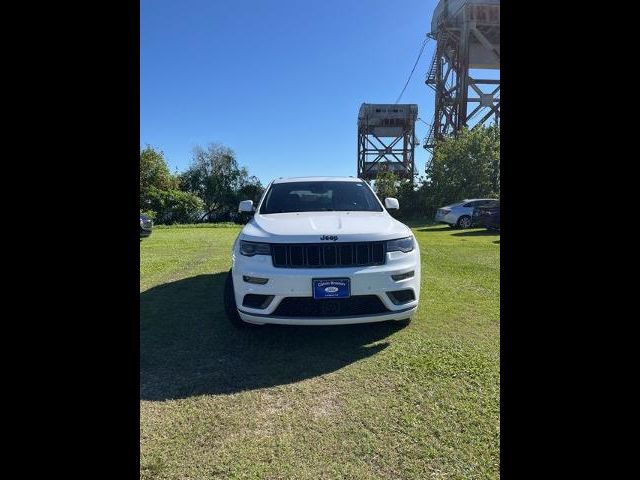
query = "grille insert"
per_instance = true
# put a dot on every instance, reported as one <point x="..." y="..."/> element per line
<point x="312" y="255"/>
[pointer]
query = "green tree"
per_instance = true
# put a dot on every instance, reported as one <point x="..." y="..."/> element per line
<point x="252" y="190"/>
<point x="409" y="198"/>
<point x="154" y="173"/>
<point x="386" y="183"/>
<point x="215" y="176"/>
<point x="464" y="166"/>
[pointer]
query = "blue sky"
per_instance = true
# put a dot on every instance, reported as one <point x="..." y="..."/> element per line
<point x="278" y="81"/>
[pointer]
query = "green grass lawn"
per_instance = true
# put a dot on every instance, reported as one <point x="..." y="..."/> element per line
<point x="389" y="400"/>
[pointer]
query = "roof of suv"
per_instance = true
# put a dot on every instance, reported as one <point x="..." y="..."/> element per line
<point x="317" y="179"/>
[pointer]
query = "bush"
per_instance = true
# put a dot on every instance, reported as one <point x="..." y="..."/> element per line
<point x="174" y="206"/>
<point x="411" y="200"/>
<point x="150" y="214"/>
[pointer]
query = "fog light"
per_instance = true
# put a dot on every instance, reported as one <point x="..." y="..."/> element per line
<point x="402" y="276"/>
<point x="257" y="280"/>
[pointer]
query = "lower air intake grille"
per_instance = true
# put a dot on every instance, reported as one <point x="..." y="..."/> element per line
<point x="340" y="307"/>
<point x="253" y="300"/>
<point x="401" y="296"/>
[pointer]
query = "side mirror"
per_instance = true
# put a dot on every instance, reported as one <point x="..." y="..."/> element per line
<point x="246" y="206"/>
<point x="391" y="203"/>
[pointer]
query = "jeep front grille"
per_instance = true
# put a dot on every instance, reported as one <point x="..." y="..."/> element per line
<point x="323" y="255"/>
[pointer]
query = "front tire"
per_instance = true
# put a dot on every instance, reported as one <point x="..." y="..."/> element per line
<point x="230" y="307"/>
<point x="464" y="221"/>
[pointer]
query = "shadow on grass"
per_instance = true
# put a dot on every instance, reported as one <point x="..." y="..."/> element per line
<point x="189" y="348"/>
<point x="476" y="233"/>
<point x="439" y="227"/>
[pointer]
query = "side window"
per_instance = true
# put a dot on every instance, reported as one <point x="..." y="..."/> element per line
<point x="471" y="204"/>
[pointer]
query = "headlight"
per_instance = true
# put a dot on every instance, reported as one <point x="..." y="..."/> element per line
<point x="400" y="245"/>
<point x="253" y="248"/>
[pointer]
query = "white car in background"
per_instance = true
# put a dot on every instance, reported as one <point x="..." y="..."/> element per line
<point x="460" y="214"/>
<point x="322" y="251"/>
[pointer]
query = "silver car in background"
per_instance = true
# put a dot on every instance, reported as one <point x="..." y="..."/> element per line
<point x="459" y="214"/>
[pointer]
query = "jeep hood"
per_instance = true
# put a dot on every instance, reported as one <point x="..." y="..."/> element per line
<point x="308" y="227"/>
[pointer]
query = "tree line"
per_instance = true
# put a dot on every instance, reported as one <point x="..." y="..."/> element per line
<point x="209" y="190"/>
<point x="463" y="166"/>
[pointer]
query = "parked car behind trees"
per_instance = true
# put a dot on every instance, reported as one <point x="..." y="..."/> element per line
<point x="460" y="214"/>
<point x="487" y="216"/>
<point x="146" y="226"/>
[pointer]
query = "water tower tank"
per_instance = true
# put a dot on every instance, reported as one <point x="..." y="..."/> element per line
<point x="452" y="14"/>
<point x="467" y="34"/>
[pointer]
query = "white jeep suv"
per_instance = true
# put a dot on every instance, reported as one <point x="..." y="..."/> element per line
<point x="322" y="251"/>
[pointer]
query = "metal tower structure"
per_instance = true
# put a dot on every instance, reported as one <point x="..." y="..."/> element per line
<point x="467" y="33"/>
<point x="396" y="124"/>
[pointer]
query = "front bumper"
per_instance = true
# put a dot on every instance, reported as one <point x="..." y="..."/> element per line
<point x="346" y="320"/>
<point x="297" y="282"/>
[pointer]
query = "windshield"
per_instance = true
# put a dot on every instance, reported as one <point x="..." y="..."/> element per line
<point x="319" y="197"/>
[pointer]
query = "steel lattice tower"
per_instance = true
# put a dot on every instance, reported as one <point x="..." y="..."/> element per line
<point x="386" y="139"/>
<point x="467" y="33"/>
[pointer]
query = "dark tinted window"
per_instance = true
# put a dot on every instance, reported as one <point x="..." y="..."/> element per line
<point x="319" y="197"/>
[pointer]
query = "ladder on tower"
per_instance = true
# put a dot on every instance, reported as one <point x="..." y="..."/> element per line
<point x="429" y="139"/>
<point x="431" y="75"/>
